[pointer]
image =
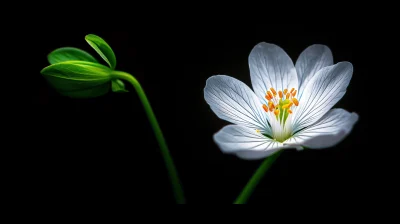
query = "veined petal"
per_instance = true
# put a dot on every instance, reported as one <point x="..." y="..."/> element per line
<point x="270" y="66"/>
<point x="322" y="92"/>
<point x="327" y="132"/>
<point x="234" y="101"/>
<point x="310" y="61"/>
<point x="246" y="143"/>
<point x="254" y="155"/>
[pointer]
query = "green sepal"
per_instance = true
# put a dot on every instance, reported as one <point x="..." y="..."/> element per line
<point x="118" y="86"/>
<point x="69" y="54"/>
<point x="102" y="48"/>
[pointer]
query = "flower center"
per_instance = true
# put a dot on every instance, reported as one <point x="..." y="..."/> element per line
<point x="280" y="105"/>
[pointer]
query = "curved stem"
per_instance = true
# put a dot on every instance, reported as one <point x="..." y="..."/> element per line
<point x="255" y="179"/>
<point x="173" y="175"/>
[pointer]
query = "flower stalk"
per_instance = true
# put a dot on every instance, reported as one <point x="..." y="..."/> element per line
<point x="173" y="174"/>
<point x="256" y="178"/>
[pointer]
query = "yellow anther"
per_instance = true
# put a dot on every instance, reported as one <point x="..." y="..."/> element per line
<point x="273" y="91"/>
<point x="258" y="131"/>
<point x="291" y="91"/>
<point x="286" y="106"/>
<point x="285" y="91"/>
<point x="287" y="95"/>
<point x="267" y="97"/>
<point x="270" y="94"/>
<point x="276" y="112"/>
<point x="290" y="111"/>
<point x="295" y="101"/>
<point x="280" y="94"/>
<point x="294" y="93"/>
<point x="271" y="107"/>
<point x="265" y="108"/>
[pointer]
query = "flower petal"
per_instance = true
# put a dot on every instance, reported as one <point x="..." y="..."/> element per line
<point x="234" y="101"/>
<point x="270" y="66"/>
<point x="253" y="155"/>
<point x="246" y="143"/>
<point x="322" y="92"/>
<point x="310" y="61"/>
<point x="328" y="131"/>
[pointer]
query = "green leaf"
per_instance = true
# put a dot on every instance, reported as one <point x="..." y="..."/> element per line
<point x="78" y="79"/>
<point x="102" y="48"/>
<point x="118" y="86"/>
<point x="69" y="54"/>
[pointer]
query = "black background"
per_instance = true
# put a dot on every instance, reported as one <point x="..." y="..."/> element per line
<point x="103" y="150"/>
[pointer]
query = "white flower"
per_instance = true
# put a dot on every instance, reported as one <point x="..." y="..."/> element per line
<point x="290" y="106"/>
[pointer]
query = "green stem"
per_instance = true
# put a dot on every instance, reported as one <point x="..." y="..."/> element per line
<point x="173" y="174"/>
<point x="251" y="185"/>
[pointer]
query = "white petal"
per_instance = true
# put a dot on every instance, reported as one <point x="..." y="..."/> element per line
<point x="234" y="101"/>
<point x="327" y="132"/>
<point x="322" y="92"/>
<point x="246" y="143"/>
<point x="253" y="155"/>
<point x="270" y="66"/>
<point x="310" y="61"/>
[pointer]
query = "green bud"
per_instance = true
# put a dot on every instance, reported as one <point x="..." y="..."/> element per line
<point x="78" y="79"/>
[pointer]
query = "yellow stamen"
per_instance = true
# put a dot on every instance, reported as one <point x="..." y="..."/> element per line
<point x="270" y="95"/>
<point x="295" y="101"/>
<point x="286" y="101"/>
<point x="265" y="108"/>
<point x="286" y="105"/>
<point x="273" y="91"/>
<point x="271" y="107"/>
<point x="258" y="131"/>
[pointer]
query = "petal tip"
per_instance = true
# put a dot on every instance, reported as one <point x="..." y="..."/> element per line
<point x="320" y="46"/>
<point x="354" y="117"/>
<point x="345" y="64"/>
<point x="265" y="45"/>
<point x="211" y="78"/>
